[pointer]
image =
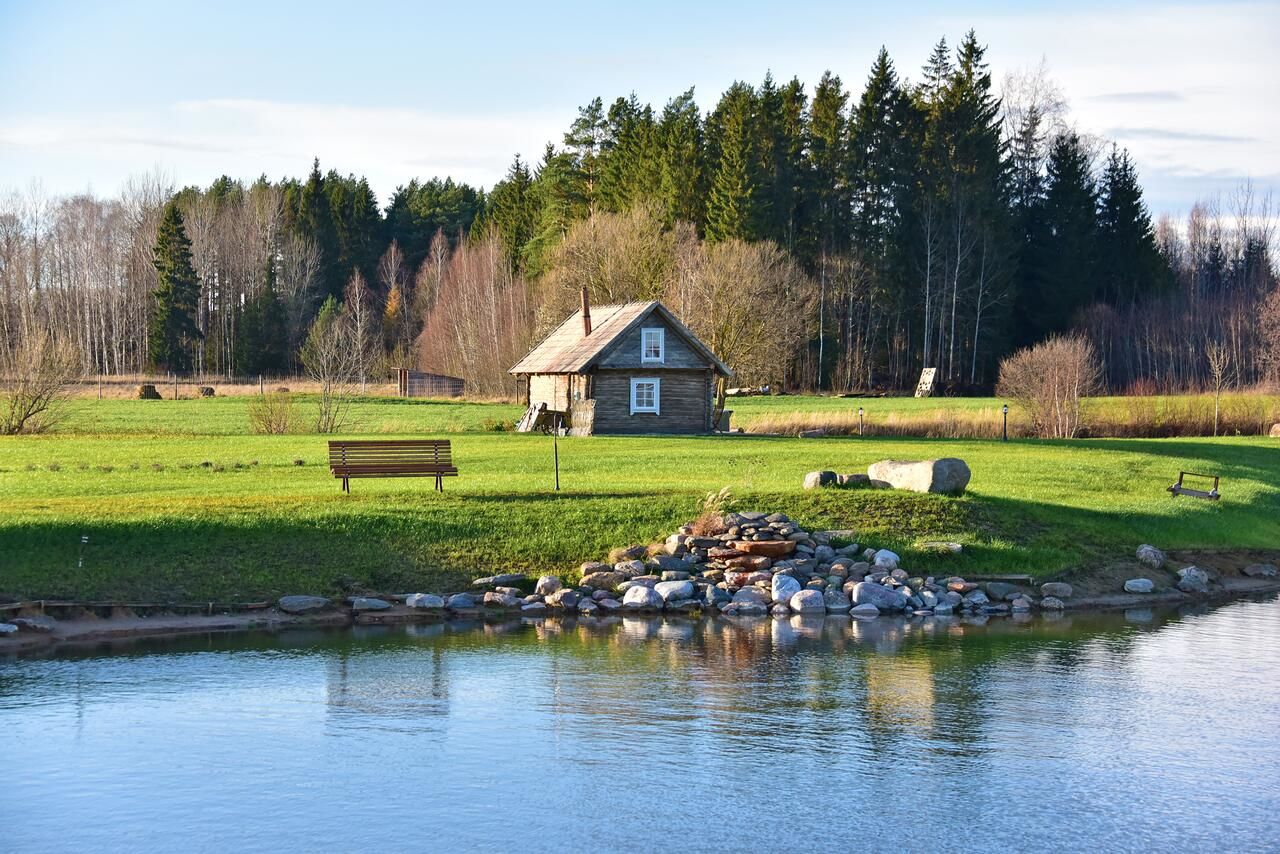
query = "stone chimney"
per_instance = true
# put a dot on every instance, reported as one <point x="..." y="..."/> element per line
<point x="586" y="314"/>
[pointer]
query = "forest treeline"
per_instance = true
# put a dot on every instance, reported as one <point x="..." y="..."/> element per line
<point x="824" y="239"/>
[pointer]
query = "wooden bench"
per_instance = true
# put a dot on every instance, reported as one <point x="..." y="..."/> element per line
<point x="392" y="458"/>
<point x="1207" y="494"/>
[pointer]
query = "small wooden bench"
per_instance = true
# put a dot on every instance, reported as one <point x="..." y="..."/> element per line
<point x="392" y="458"/>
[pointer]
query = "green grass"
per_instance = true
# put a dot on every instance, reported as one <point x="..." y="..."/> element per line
<point x="252" y="524"/>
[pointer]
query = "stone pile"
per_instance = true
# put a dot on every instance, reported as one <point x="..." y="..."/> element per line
<point x="757" y="564"/>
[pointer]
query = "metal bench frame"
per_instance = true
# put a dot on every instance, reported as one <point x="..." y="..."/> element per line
<point x="1209" y="495"/>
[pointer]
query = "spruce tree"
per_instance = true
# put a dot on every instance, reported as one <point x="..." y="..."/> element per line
<point x="172" y="332"/>
<point x="682" y="160"/>
<point x="734" y="203"/>
<point x="315" y="221"/>
<point x="1129" y="262"/>
<point x="585" y="141"/>
<point x="511" y="211"/>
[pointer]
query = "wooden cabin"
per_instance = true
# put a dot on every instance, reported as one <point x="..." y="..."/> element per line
<point x="620" y="369"/>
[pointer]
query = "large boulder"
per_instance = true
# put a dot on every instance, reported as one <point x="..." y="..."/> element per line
<point x="818" y="479"/>
<point x="565" y="598"/>
<point x="672" y="591"/>
<point x="884" y="598"/>
<point x="783" y="587"/>
<point x="1056" y="589"/>
<point x="368" y="603"/>
<point x="461" y="602"/>
<point x="642" y="599"/>
<point x="1275" y="431"/>
<point x="1150" y="556"/>
<point x="948" y="476"/>
<point x="750" y="594"/>
<point x="424" y="601"/>
<point x="501" y="600"/>
<point x="1139" y="585"/>
<point x="1193" y="579"/>
<point x="302" y="604"/>
<point x="808" y="602"/>
<point x="505" y="580"/>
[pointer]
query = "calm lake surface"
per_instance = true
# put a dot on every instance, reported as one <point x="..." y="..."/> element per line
<point x="1133" y="731"/>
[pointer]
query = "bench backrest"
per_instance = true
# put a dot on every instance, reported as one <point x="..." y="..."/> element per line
<point x="390" y="452"/>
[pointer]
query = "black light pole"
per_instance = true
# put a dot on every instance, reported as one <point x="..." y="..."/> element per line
<point x="555" y="447"/>
<point x="1004" y="430"/>
<point x="859" y="420"/>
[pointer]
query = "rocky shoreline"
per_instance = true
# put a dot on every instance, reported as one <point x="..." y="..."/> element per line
<point x="744" y="564"/>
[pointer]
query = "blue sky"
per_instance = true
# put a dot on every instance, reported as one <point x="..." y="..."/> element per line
<point x="94" y="92"/>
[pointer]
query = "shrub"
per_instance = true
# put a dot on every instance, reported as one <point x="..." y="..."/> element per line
<point x="271" y="413"/>
<point x="1050" y="380"/>
<point x="35" y="380"/>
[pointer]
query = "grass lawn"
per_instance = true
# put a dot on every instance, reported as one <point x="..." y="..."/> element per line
<point x="180" y="502"/>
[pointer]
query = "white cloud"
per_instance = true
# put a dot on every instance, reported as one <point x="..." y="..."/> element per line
<point x="199" y="140"/>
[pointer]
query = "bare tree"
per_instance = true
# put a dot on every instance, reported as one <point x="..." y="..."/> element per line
<point x="35" y="377"/>
<point x="1050" y="380"/>
<point x="329" y="357"/>
<point x="362" y="320"/>
<point x="1220" y="375"/>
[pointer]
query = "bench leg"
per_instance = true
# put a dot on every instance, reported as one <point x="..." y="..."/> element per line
<point x="440" y="483"/>
<point x="346" y="486"/>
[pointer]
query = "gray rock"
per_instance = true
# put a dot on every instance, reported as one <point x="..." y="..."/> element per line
<point x="942" y="609"/>
<point x="461" y="602"/>
<point x="1150" y="556"/>
<point x="999" y="590"/>
<point x="1056" y="589"/>
<point x="716" y="595"/>
<point x="630" y="568"/>
<point x="836" y="601"/>
<point x="565" y="598"/>
<point x="586" y="606"/>
<point x="747" y="609"/>
<point x="1193" y="579"/>
<point x="949" y="476"/>
<point x="886" y="559"/>
<point x="1021" y="605"/>
<point x="819" y="479"/>
<point x="780" y="609"/>
<point x="609" y="604"/>
<point x="852" y="481"/>
<point x="1260" y="570"/>
<point x="8" y="629"/>
<point x="824" y="554"/>
<point x="750" y="594"/>
<point x="548" y="584"/>
<point x="533" y="609"/>
<point x="368" y="603"/>
<point x="504" y="580"/>
<point x="603" y="580"/>
<point x="808" y="602"/>
<point x="664" y="563"/>
<point x="784" y="587"/>
<point x="674" y="590"/>
<point x="39" y="623"/>
<point x="976" y="598"/>
<point x="1052" y="603"/>
<point x="675" y="575"/>
<point x="302" y="604"/>
<point x="866" y="609"/>
<point x="494" y="599"/>
<point x="642" y="599"/>
<point x="424" y="601"/>
<point x="885" y="599"/>
<point x="1139" y="585"/>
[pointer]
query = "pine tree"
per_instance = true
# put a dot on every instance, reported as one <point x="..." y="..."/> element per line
<point x="682" y="160"/>
<point x="172" y="332"/>
<point x="511" y="211"/>
<point x="585" y="141"/>
<point x="315" y="221"/>
<point x="630" y="167"/>
<point x="1068" y="255"/>
<point x="560" y="199"/>
<point x="733" y="203"/>
<point x="1129" y="262"/>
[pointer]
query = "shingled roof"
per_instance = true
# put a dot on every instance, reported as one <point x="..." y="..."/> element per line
<point x="567" y="351"/>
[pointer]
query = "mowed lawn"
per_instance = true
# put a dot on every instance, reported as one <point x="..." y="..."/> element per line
<point x="182" y="503"/>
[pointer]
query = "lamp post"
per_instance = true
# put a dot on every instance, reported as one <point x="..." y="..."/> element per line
<point x="1004" y="429"/>
<point x="859" y="420"/>
<point x="555" y="447"/>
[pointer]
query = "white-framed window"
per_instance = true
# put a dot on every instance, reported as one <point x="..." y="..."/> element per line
<point x="646" y="395"/>
<point x="652" y="345"/>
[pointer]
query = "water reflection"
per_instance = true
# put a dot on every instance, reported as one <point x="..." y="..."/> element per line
<point x="1121" y="730"/>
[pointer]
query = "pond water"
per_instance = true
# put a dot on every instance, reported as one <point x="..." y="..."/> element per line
<point x="1131" y="731"/>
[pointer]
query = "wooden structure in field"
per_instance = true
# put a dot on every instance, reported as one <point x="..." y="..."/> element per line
<point x="925" y="387"/>
<point x="423" y="384"/>
<point x="626" y="368"/>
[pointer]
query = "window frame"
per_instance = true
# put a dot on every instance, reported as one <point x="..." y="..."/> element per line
<point x="645" y="358"/>
<point x="656" y="409"/>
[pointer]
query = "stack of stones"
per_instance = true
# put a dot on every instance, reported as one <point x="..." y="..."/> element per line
<point x="757" y="564"/>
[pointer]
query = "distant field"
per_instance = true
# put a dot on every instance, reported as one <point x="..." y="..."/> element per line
<point x="181" y="502"/>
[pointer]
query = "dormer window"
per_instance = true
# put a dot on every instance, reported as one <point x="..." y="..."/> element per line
<point x="652" y="345"/>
